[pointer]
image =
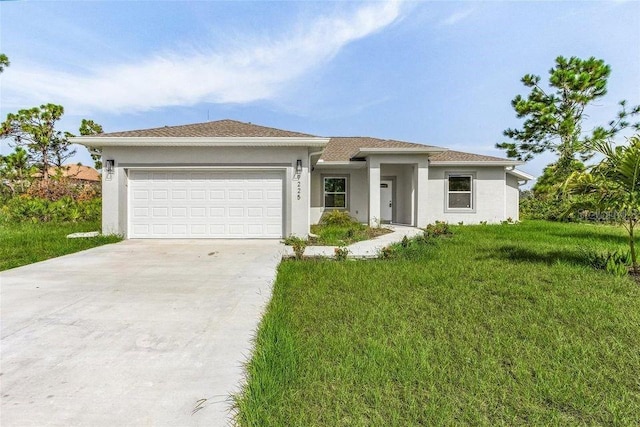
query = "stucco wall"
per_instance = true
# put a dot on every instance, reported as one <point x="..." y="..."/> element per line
<point x="295" y="211"/>
<point x="513" y="198"/>
<point x="490" y="195"/>
<point x="357" y="192"/>
<point x="402" y="168"/>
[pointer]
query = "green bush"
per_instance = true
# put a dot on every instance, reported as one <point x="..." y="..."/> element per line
<point x="31" y="209"/>
<point x="337" y="217"/>
<point x="298" y="244"/>
<point x="341" y="253"/>
<point x="440" y="228"/>
<point x="547" y="207"/>
<point x="616" y="262"/>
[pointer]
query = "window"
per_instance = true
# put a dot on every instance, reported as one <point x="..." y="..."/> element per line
<point x="459" y="191"/>
<point x="335" y="192"/>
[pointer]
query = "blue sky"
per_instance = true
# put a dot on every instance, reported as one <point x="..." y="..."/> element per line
<point x="439" y="73"/>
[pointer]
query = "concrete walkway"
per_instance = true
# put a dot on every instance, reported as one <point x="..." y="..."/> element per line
<point x="139" y="333"/>
<point x="365" y="249"/>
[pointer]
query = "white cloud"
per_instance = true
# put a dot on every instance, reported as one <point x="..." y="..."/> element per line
<point x="256" y="71"/>
<point x="456" y="17"/>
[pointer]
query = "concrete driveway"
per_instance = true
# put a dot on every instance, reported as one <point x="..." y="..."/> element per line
<point x="143" y="332"/>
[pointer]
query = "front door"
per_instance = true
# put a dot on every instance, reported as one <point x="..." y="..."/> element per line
<point x="386" y="201"/>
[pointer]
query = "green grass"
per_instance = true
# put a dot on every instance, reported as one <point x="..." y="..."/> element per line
<point x="26" y="243"/>
<point x="497" y="325"/>
<point x="341" y="235"/>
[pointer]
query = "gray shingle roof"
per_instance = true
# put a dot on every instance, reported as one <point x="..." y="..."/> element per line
<point x="460" y="156"/>
<point x="219" y="128"/>
<point x="344" y="148"/>
<point x="338" y="148"/>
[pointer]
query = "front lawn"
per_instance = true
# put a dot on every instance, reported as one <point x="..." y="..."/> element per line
<point x="26" y="243"/>
<point x="344" y="234"/>
<point x="496" y="325"/>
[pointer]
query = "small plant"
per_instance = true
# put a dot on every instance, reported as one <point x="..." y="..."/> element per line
<point x="460" y="222"/>
<point x="341" y="253"/>
<point x="616" y="262"/>
<point x="385" y="253"/>
<point x="298" y="244"/>
<point x="440" y="228"/>
<point x="510" y="220"/>
<point x="337" y="217"/>
<point x="405" y="242"/>
<point x="483" y="222"/>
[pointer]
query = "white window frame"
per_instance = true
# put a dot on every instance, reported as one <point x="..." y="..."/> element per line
<point x="345" y="192"/>
<point x="472" y="192"/>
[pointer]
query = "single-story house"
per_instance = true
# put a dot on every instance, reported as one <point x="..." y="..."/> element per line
<point x="79" y="173"/>
<point x="228" y="179"/>
<point x="76" y="173"/>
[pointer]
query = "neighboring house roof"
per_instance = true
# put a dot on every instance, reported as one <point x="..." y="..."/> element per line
<point x="216" y="129"/>
<point x="343" y="149"/>
<point x="77" y="172"/>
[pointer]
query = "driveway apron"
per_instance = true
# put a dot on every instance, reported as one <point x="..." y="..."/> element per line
<point x="140" y="333"/>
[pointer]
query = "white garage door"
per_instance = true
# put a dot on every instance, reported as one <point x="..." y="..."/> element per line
<point x="205" y="204"/>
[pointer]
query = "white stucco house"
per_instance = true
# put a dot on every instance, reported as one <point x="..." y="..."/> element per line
<point x="228" y="179"/>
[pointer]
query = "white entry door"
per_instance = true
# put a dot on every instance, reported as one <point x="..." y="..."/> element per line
<point x="205" y="204"/>
<point x="386" y="200"/>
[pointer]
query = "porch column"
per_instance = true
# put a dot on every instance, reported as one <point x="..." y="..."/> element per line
<point x="421" y="177"/>
<point x="374" y="191"/>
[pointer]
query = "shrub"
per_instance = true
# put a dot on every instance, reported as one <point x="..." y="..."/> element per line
<point x="341" y="253"/>
<point x="547" y="207"/>
<point x="616" y="262"/>
<point x="56" y="189"/>
<point x="386" y="253"/>
<point x="298" y="244"/>
<point x="32" y="209"/>
<point x="336" y="217"/>
<point x="440" y="228"/>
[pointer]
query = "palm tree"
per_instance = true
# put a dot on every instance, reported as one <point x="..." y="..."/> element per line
<point x="613" y="186"/>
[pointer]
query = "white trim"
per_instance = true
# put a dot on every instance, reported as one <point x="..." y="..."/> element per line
<point x="207" y="167"/>
<point x="402" y="150"/>
<point x="114" y="141"/>
<point x="346" y="192"/>
<point x="476" y="163"/>
<point x="347" y="164"/>
<point x="520" y="174"/>
<point x="472" y="191"/>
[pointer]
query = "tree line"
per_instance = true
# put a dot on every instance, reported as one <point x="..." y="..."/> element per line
<point x="554" y="118"/>
<point x="39" y="146"/>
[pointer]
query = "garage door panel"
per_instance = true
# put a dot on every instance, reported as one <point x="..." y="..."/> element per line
<point x="205" y="204"/>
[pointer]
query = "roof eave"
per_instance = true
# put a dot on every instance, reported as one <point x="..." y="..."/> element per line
<point x="476" y="163"/>
<point x="520" y="174"/>
<point x="390" y="150"/>
<point x="340" y="163"/>
<point x="130" y="141"/>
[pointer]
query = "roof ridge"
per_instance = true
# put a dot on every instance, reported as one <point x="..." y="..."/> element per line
<point x="212" y="128"/>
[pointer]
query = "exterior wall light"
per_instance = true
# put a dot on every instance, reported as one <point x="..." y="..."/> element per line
<point x="108" y="166"/>
<point x="299" y="167"/>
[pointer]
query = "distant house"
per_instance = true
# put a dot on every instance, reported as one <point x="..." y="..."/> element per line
<point x="79" y="173"/>
<point x="228" y="179"/>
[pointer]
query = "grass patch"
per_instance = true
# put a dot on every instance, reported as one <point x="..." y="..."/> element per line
<point x="26" y="243"/>
<point x="505" y="325"/>
<point x="346" y="234"/>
